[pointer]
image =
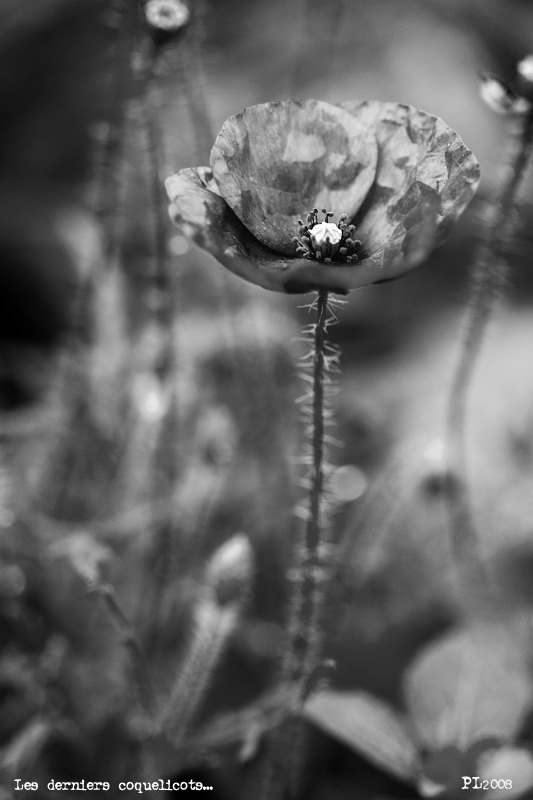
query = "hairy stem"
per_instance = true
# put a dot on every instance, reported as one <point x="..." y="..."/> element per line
<point x="284" y="759"/>
<point x="489" y="276"/>
<point x="305" y="643"/>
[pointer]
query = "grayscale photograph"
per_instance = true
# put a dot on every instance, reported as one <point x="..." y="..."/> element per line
<point x="266" y="399"/>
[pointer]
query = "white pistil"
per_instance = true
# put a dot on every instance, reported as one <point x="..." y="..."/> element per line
<point x="326" y="238"/>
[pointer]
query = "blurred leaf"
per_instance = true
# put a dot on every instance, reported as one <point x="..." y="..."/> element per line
<point x="470" y="685"/>
<point x="369" y="726"/>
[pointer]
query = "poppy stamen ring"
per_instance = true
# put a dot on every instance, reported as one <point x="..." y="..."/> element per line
<point x="326" y="241"/>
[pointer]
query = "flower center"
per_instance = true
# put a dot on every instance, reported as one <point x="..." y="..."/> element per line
<point x="326" y="241"/>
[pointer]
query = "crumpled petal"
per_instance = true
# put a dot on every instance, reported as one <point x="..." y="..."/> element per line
<point x="206" y="218"/>
<point x="425" y="176"/>
<point x="418" y="154"/>
<point x="276" y="161"/>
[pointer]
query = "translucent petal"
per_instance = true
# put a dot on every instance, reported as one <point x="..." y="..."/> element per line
<point x="418" y="154"/>
<point x="204" y="216"/>
<point x="276" y="161"/>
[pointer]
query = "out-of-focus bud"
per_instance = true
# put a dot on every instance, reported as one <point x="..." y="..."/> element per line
<point x="524" y="71"/>
<point x="86" y="556"/>
<point x="348" y="483"/>
<point x="218" y="435"/>
<point x="230" y="570"/>
<point x="166" y="19"/>
<point x="500" y="97"/>
<point x="438" y="478"/>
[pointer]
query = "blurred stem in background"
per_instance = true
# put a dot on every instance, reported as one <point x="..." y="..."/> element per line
<point x="489" y="276"/>
<point x="174" y="44"/>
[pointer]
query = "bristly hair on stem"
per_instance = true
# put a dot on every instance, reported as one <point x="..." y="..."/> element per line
<point x="489" y="275"/>
<point x="310" y="573"/>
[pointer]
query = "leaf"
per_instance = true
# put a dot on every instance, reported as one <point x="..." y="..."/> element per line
<point x="369" y="726"/>
<point x="469" y="685"/>
<point x="274" y="162"/>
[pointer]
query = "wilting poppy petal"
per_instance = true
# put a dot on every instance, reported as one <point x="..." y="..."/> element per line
<point x="206" y="218"/>
<point x="418" y="155"/>
<point x="276" y="161"/>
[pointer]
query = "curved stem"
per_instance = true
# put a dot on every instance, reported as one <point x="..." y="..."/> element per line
<point x="488" y="279"/>
<point x="192" y="82"/>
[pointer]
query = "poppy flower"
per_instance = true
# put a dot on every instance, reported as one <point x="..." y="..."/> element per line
<point x="466" y="699"/>
<point x="390" y="180"/>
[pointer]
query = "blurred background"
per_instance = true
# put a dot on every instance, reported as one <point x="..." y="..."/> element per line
<point x="147" y="396"/>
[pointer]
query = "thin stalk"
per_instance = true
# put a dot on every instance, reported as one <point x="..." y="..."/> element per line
<point x="109" y="182"/>
<point x="158" y="205"/>
<point x="490" y="274"/>
<point x="161" y="274"/>
<point x="143" y="683"/>
<point x="284" y="760"/>
<point x="192" y="81"/>
<point x="306" y="641"/>
<point x="140" y="669"/>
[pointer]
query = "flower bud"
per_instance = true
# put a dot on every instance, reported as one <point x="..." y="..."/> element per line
<point x="166" y="18"/>
<point x="500" y="98"/>
<point x="229" y="571"/>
